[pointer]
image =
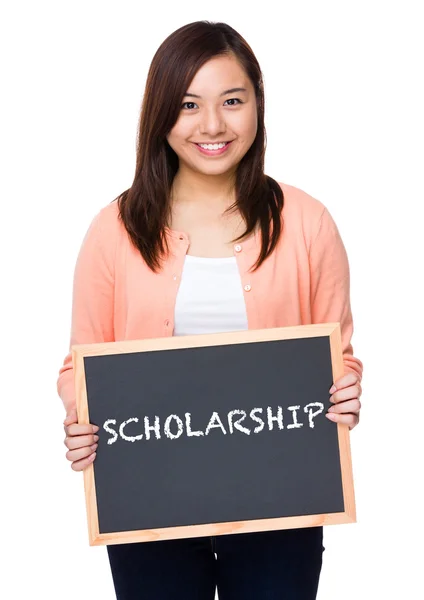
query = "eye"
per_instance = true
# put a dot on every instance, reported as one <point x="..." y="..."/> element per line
<point x="182" y="106"/>
<point x="234" y="99"/>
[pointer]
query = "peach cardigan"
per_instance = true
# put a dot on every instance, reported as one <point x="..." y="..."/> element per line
<point x="117" y="297"/>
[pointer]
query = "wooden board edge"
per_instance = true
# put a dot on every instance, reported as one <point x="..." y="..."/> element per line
<point x="80" y="387"/>
<point x="91" y="504"/>
<point x="346" y="469"/>
<point x="207" y="339"/>
<point x="343" y="430"/>
<point x="84" y="419"/>
<point x="190" y="531"/>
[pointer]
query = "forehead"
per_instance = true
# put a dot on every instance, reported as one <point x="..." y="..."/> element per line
<point x="218" y="74"/>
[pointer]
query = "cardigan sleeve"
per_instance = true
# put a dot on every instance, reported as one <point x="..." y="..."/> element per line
<point x="92" y="301"/>
<point x="330" y="286"/>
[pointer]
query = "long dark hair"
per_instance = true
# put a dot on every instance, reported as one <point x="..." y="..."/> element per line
<point x="145" y="207"/>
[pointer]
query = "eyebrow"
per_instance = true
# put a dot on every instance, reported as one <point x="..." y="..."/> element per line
<point x="230" y="91"/>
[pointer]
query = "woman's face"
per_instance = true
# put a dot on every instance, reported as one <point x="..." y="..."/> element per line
<point x="214" y="111"/>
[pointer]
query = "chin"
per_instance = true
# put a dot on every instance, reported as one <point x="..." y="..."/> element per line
<point x="215" y="171"/>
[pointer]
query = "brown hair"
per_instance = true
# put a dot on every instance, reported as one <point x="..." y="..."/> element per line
<point x="145" y="207"/>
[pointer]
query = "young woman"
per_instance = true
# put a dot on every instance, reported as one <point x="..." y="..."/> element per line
<point x="203" y="241"/>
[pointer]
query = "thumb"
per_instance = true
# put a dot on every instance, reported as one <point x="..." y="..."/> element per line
<point x="71" y="417"/>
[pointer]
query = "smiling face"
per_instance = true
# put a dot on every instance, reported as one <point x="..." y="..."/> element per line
<point x="219" y="106"/>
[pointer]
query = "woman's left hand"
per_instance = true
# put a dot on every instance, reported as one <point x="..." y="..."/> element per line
<point x="346" y="392"/>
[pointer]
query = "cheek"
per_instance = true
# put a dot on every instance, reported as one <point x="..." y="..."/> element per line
<point x="176" y="134"/>
<point x="178" y="137"/>
<point x="246" y="127"/>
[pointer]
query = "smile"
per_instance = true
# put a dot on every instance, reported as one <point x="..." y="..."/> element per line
<point x="213" y="149"/>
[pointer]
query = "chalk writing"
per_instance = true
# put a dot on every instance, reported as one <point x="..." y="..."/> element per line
<point x="174" y="427"/>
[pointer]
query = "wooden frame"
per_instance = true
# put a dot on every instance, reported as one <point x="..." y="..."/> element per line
<point x="331" y="330"/>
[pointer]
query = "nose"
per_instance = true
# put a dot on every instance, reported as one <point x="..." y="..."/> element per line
<point x="211" y="122"/>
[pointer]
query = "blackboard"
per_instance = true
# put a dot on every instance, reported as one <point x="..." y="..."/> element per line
<point x="210" y="434"/>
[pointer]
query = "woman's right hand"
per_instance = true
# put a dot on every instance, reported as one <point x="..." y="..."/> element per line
<point x="80" y="440"/>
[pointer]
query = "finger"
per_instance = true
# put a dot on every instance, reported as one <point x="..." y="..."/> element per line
<point x="345" y="381"/>
<point x="345" y="394"/>
<point x="71" y="417"/>
<point x="74" y="455"/>
<point x="349" y="406"/>
<point x="347" y="419"/>
<point x="77" y="429"/>
<point x="80" y="441"/>
<point x="82" y="464"/>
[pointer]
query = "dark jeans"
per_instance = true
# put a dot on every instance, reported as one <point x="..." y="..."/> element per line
<point x="271" y="565"/>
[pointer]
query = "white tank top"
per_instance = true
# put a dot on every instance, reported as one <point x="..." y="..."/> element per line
<point x="210" y="297"/>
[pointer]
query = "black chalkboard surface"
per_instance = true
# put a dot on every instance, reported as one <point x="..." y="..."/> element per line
<point x="210" y="434"/>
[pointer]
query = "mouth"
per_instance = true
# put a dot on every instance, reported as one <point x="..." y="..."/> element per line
<point x="213" y="149"/>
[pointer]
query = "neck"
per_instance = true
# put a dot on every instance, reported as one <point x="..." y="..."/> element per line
<point x="191" y="187"/>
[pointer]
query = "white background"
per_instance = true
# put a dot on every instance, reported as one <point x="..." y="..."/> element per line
<point x="344" y="117"/>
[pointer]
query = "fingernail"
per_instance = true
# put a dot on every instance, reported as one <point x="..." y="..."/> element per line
<point x="92" y="456"/>
<point x="93" y="447"/>
<point x="332" y="389"/>
<point x="96" y="438"/>
<point x="95" y="428"/>
<point x="330" y="416"/>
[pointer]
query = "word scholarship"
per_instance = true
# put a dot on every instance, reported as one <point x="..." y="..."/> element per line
<point x="236" y="421"/>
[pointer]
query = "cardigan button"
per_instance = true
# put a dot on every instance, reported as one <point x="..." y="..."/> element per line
<point x="247" y="288"/>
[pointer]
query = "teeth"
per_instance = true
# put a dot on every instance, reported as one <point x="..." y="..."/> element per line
<point x="213" y="146"/>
